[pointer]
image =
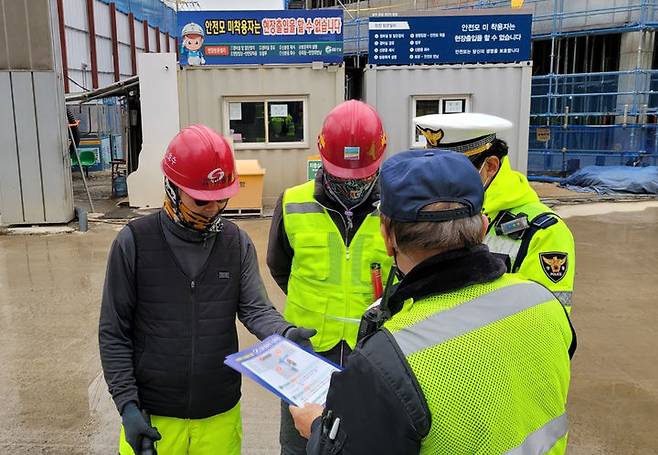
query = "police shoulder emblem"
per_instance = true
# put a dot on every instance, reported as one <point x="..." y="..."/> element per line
<point x="555" y="264"/>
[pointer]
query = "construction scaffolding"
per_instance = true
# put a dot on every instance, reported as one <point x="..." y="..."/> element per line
<point x="590" y="104"/>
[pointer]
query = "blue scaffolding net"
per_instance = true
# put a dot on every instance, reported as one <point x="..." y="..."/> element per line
<point x="156" y="12"/>
<point x="599" y="119"/>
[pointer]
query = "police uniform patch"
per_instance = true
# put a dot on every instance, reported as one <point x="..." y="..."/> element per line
<point x="555" y="264"/>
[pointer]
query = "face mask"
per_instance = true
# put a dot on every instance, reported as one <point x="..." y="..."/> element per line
<point x="349" y="192"/>
<point x="485" y="183"/>
<point x="182" y="215"/>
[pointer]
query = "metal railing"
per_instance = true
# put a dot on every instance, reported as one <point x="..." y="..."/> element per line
<point x="612" y="93"/>
<point x="606" y="118"/>
<point x="561" y="150"/>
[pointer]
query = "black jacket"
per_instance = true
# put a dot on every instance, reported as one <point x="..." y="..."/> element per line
<point x="381" y="407"/>
<point x="121" y="347"/>
<point x="380" y="404"/>
<point x="279" y="251"/>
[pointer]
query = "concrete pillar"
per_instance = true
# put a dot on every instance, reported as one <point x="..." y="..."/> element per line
<point x="635" y="52"/>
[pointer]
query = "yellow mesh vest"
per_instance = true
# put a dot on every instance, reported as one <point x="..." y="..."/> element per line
<point x="329" y="287"/>
<point x="492" y="361"/>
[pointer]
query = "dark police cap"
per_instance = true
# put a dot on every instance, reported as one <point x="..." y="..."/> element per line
<point x="414" y="179"/>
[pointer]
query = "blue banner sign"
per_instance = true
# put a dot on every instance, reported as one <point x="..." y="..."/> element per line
<point x="260" y="37"/>
<point x="500" y="38"/>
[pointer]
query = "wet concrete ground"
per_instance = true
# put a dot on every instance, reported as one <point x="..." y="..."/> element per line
<point x="53" y="399"/>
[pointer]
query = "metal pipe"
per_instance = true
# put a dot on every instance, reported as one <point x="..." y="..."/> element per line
<point x="575" y="55"/>
<point x="81" y="215"/>
<point x="545" y="179"/>
<point x="117" y="85"/>
<point x="82" y="171"/>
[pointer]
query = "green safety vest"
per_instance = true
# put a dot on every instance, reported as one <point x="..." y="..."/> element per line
<point x="330" y="286"/>
<point x="493" y="364"/>
<point x="544" y="252"/>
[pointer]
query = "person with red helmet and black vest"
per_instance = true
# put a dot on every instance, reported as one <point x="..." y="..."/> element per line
<point x="325" y="241"/>
<point x="175" y="282"/>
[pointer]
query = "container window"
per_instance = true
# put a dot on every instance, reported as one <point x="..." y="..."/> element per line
<point x="428" y="105"/>
<point x="267" y="121"/>
<point x="247" y="121"/>
<point x="286" y="121"/>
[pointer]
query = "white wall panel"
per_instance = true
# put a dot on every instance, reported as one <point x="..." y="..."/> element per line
<point x="75" y="14"/>
<point x="81" y="77"/>
<point x="10" y="179"/>
<point x="77" y="47"/>
<point x="28" y="147"/>
<point x="163" y="42"/>
<point x="123" y="28"/>
<point x="125" y="61"/>
<point x="159" y="104"/>
<point x="53" y="148"/>
<point x="104" y="54"/>
<point x="139" y="34"/>
<point x="102" y="19"/>
<point x="152" y="38"/>
<point x="105" y="79"/>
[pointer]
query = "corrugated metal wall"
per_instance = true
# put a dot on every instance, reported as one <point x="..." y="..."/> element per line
<point x="203" y="94"/>
<point x="78" y="48"/>
<point x="497" y="89"/>
<point x="123" y="36"/>
<point x="28" y="45"/>
<point x="35" y="168"/>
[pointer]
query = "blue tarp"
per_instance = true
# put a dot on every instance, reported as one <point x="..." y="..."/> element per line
<point x="154" y="11"/>
<point x="614" y="179"/>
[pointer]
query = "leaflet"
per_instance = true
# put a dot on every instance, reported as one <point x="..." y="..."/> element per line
<point x="294" y="374"/>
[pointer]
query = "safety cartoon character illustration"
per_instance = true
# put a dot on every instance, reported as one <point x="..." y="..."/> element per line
<point x="192" y="44"/>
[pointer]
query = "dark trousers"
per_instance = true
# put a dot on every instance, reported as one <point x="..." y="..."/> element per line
<point x="291" y="442"/>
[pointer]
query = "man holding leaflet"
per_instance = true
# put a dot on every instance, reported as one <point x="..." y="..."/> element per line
<point x="175" y="282"/>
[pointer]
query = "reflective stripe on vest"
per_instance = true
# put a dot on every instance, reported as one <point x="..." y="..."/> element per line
<point x="543" y="438"/>
<point x="304" y="207"/>
<point x="471" y="315"/>
<point x="564" y="297"/>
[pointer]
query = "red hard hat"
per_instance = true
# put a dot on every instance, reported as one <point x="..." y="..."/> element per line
<point x="200" y="162"/>
<point x="352" y="141"/>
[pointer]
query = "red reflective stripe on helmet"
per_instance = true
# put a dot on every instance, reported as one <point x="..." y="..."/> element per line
<point x="200" y="161"/>
<point x="352" y="141"/>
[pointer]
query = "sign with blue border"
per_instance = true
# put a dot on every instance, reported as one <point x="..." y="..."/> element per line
<point x="497" y="38"/>
<point x="260" y="37"/>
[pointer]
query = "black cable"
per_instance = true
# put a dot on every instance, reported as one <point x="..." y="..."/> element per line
<point x="83" y="88"/>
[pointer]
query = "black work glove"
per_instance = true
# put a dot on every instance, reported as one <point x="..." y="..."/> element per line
<point x="300" y="335"/>
<point x="136" y="429"/>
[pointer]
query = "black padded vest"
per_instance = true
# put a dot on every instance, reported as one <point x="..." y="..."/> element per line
<point x="184" y="326"/>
